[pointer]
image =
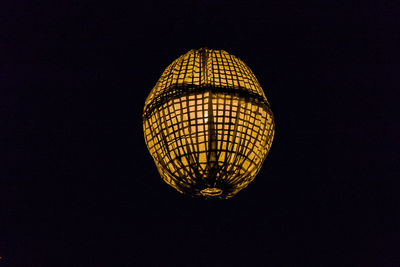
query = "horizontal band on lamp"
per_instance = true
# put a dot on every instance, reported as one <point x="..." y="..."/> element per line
<point x="179" y="90"/>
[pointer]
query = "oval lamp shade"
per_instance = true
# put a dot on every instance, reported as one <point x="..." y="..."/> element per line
<point x="207" y="124"/>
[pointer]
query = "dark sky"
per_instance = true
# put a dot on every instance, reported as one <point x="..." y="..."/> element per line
<point x="79" y="188"/>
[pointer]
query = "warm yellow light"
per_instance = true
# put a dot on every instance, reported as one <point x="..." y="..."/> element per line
<point x="208" y="124"/>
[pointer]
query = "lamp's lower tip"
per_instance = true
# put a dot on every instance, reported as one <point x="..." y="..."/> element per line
<point x="211" y="192"/>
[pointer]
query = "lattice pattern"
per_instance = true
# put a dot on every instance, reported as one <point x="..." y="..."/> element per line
<point x="207" y="124"/>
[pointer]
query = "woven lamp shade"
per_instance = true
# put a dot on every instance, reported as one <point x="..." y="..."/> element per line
<point x="207" y="124"/>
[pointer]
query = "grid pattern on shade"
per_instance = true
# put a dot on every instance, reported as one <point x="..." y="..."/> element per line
<point x="204" y="68"/>
<point x="207" y="124"/>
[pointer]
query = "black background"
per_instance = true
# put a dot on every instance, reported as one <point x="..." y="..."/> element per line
<point x="79" y="188"/>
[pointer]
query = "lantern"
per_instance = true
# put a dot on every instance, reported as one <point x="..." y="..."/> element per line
<point x="207" y="124"/>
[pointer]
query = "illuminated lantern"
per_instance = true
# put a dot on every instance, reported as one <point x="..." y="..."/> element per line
<point x="207" y="124"/>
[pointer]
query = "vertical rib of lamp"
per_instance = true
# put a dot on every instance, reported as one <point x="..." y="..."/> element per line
<point x="207" y="124"/>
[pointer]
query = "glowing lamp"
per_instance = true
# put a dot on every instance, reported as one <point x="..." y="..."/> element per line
<point x="207" y="124"/>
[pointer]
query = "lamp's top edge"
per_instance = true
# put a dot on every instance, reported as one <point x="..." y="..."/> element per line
<point x="205" y="48"/>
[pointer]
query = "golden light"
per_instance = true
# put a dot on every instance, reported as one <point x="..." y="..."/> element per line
<point x="207" y="124"/>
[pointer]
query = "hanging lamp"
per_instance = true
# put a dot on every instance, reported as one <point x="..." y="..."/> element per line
<point x="207" y="124"/>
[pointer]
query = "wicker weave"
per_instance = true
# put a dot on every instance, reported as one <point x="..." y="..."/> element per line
<point x="208" y="124"/>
